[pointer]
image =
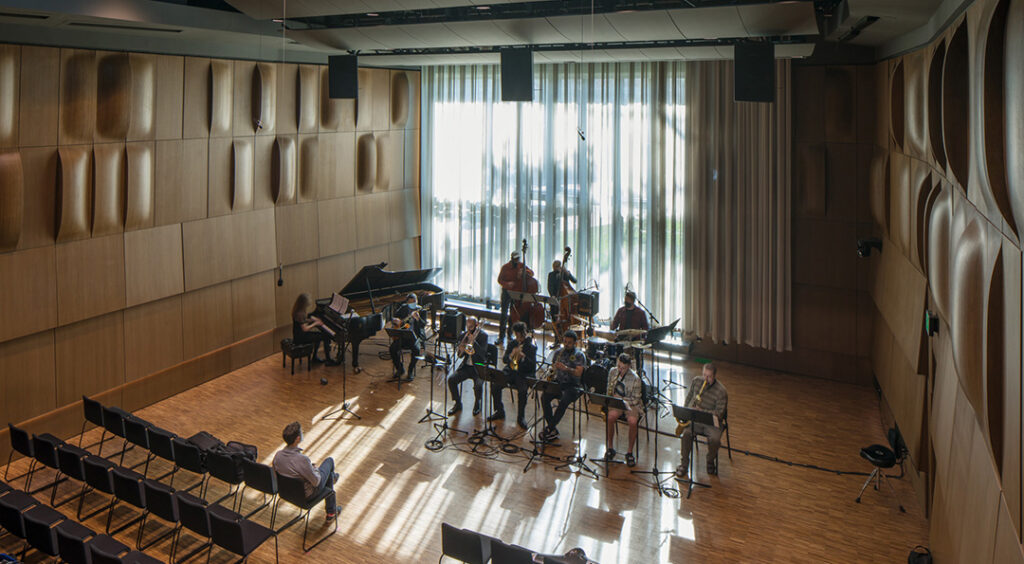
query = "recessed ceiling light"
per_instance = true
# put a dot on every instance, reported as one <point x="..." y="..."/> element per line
<point x="372" y="14"/>
<point x="278" y="20"/>
<point x="483" y="7"/>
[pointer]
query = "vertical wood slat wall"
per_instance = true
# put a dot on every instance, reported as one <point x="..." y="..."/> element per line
<point x="146" y="201"/>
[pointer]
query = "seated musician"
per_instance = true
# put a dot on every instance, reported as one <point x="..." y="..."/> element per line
<point x="556" y="277"/>
<point x="631" y="317"/>
<point x="407" y="316"/>
<point x="306" y="329"/>
<point x="523" y="351"/>
<point x="568" y="363"/>
<point x="475" y="336"/>
<point x="623" y="383"/>
<point x="706" y="393"/>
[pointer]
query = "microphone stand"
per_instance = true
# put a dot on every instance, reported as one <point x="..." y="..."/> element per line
<point x="656" y="472"/>
<point x="437" y="443"/>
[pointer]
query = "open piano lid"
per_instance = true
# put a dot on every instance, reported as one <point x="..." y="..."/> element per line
<point x="382" y="283"/>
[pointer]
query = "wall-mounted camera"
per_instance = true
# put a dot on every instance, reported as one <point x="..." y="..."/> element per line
<point x="864" y="246"/>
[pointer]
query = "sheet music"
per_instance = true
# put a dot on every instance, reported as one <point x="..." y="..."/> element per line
<point x="339" y="303"/>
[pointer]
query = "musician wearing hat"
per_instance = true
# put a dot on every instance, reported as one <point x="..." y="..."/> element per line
<point x="510" y="272"/>
<point x="706" y="393"/>
<point x="568" y="363"/>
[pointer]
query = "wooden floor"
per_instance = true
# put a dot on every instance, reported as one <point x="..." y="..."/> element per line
<point x="396" y="493"/>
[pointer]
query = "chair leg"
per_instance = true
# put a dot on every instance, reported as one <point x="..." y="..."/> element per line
<point x="728" y="442"/>
<point x="31" y="472"/>
<point x="871" y="477"/>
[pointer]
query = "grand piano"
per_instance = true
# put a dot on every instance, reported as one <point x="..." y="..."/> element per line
<point x="373" y="294"/>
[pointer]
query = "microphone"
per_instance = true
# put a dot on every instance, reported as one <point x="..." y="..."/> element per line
<point x="280" y="274"/>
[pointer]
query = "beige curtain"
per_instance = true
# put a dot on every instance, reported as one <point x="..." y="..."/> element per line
<point x="737" y="244"/>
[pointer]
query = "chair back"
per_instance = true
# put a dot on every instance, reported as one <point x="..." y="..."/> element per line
<point x="226" y="529"/>
<point x="72" y="542"/>
<point x="93" y="411"/>
<point x="106" y="550"/>
<point x="259" y="477"/>
<point x="161" y="501"/>
<point x="192" y="511"/>
<point x="70" y="461"/>
<point x="502" y="553"/>
<point x="39" y="528"/>
<point x="136" y="431"/>
<point x="97" y="473"/>
<point x="292" y="490"/>
<point x="113" y="420"/>
<point x="45" y="448"/>
<point x="128" y="486"/>
<point x="464" y="545"/>
<point x="4" y="488"/>
<point x="223" y="467"/>
<point x="21" y="441"/>
<point x="188" y="456"/>
<point x="896" y="443"/>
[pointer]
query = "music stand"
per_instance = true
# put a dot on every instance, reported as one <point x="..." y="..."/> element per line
<point x="577" y="462"/>
<point x="437" y="443"/>
<point x="607" y="402"/>
<point x="432" y="415"/>
<point x="655" y="336"/>
<point x="494" y="377"/>
<point x="539" y="387"/>
<point x="339" y="414"/>
<point x="408" y="341"/>
<point x="694" y="416"/>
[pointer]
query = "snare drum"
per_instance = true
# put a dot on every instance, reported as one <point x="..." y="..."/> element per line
<point x="595" y="377"/>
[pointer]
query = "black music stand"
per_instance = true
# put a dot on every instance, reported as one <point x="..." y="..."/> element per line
<point x="607" y="402"/>
<point x="577" y="462"/>
<point x="694" y="416"/>
<point x="655" y="336"/>
<point x="437" y="443"/>
<point x="540" y="387"/>
<point x="339" y="414"/>
<point x="432" y="415"/>
<point x="408" y="340"/>
<point x="494" y="377"/>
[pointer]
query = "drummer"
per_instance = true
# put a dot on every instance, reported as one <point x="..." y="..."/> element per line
<point x="632" y="319"/>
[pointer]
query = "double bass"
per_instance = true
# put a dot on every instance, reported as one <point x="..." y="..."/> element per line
<point x="568" y="302"/>
<point x="531" y="313"/>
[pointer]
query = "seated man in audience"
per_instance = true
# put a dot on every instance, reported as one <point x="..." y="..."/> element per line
<point x="290" y="462"/>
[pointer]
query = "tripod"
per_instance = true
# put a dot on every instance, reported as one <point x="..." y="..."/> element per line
<point x="432" y="415"/>
<point x="494" y="378"/>
<point x="437" y="443"/>
<point x="655" y="472"/>
<point x="339" y="414"/>
<point x="694" y="416"/>
<point x="537" y="452"/>
<point x="577" y="462"/>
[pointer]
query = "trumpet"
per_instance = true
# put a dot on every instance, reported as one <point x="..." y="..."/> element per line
<point x="467" y="345"/>
<point x="515" y="356"/>
<point x="682" y="425"/>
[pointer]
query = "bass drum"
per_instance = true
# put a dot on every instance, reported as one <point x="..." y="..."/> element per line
<point x="595" y="377"/>
<point x="596" y="347"/>
<point x="613" y="350"/>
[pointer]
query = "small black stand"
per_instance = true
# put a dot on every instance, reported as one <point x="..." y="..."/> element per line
<point x="339" y="414"/>
<point x="694" y="416"/>
<point x="408" y="340"/>
<point x="494" y="377"/>
<point x="432" y="415"/>
<point x="437" y="443"/>
<point x="539" y="387"/>
<point x="608" y="403"/>
<point x="654" y="336"/>
<point x="577" y="462"/>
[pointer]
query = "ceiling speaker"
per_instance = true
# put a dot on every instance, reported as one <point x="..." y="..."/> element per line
<point x="755" y="72"/>
<point x="343" y="76"/>
<point x="517" y="75"/>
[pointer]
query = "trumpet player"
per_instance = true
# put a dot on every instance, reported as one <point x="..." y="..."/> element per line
<point x="706" y="393"/>
<point x="473" y="350"/>
<point x="520" y="363"/>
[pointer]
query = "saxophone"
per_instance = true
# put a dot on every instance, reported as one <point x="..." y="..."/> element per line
<point x="682" y="425"/>
<point x="468" y="342"/>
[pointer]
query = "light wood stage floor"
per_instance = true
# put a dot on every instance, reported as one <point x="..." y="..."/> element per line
<point x="396" y="493"/>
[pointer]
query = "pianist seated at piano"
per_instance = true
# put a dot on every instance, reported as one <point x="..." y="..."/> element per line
<point x="307" y="329"/>
<point x="407" y="316"/>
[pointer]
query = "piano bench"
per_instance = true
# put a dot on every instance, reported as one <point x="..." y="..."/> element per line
<point x="290" y="349"/>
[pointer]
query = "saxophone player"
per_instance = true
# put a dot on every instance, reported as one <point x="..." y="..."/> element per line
<point x="473" y="349"/>
<point x="706" y="393"/>
<point x="568" y="363"/>
<point x="520" y="363"/>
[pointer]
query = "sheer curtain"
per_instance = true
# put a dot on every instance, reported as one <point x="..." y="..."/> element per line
<point x="595" y="162"/>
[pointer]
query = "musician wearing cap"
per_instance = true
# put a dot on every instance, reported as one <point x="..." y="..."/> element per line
<point x="520" y="363"/>
<point x="510" y="272"/>
<point x="558" y="275"/>
<point x="624" y="384"/>
<point x="568" y="363"/>
<point x="706" y="393"/>
<point x="407" y="316"/>
<point x="473" y="350"/>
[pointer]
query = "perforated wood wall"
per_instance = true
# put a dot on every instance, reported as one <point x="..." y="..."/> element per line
<point x="146" y="202"/>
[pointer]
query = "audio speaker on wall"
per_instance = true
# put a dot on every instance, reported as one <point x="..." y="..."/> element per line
<point x="755" y="72"/>
<point x="517" y="75"/>
<point x="343" y="76"/>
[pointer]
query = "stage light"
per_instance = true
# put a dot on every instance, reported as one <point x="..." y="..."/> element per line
<point x="864" y="246"/>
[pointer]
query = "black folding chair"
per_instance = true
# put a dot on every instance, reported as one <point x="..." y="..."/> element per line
<point x="224" y="468"/>
<point x="41" y="529"/>
<point x="464" y="545"/>
<point x="237" y="534"/>
<point x="502" y="553"/>
<point x="13" y="506"/>
<point x="98" y="477"/>
<point x="71" y="463"/>
<point x="21" y="443"/>
<point x="160" y="501"/>
<point x="44" y="447"/>
<point x="73" y="542"/>
<point x="293" y="490"/>
<point x="113" y="422"/>
<point x="261" y="478"/>
<point x="196" y="519"/>
<point x="104" y="549"/>
<point x="187" y="456"/>
<point x="136" y="557"/>
<point x="136" y="432"/>
<point x="93" y="412"/>
<point x="128" y="488"/>
<point x="161" y="445"/>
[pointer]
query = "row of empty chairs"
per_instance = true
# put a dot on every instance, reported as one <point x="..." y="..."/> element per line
<point x="472" y="547"/>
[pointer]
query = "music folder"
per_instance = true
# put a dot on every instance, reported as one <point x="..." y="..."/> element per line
<point x="405" y="335"/>
<point x="694" y="415"/>
<point x="610" y="402"/>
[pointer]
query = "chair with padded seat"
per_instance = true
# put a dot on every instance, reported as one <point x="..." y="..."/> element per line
<point x="237" y="534"/>
<point x="136" y="432"/>
<point x="71" y="463"/>
<point x="263" y="479"/>
<point x="105" y="549"/>
<point x="502" y="553"/>
<point x="44" y="448"/>
<point x="113" y="423"/>
<point x="224" y="468"/>
<point x="161" y="502"/>
<point x="293" y="350"/>
<point x="136" y="557"/>
<point x="92" y="410"/>
<point x="13" y="506"/>
<point x="195" y="518"/>
<point x="41" y="529"/>
<point x="21" y="443"/>
<point x="464" y="545"/>
<point x="128" y="487"/>
<point x="293" y="491"/>
<point x="73" y="542"/>
<point x="883" y="458"/>
<point x="161" y="445"/>
<point x="188" y="456"/>
<point x="98" y="477"/>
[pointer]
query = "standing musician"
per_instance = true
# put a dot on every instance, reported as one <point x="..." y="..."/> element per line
<point x="556" y="277"/>
<point x="407" y="316"/>
<point x="475" y="337"/>
<point x="706" y="393"/>
<point x="631" y="317"/>
<point x="623" y="383"/>
<point x="568" y="363"/>
<point x="522" y="353"/>
<point x="510" y="272"/>
<point x="306" y="329"/>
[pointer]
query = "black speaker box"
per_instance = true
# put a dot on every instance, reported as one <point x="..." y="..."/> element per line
<point x="755" y="72"/>
<point x="589" y="300"/>
<point x="453" y="324"/>
<point x="343" y="76"/>
<point x="517" y="75"/>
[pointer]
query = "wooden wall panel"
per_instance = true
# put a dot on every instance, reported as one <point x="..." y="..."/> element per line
<point x="142" y="125"/>
<point x="12" y="200"/>
<point x="404" y="255"/>
<point x="330" y="108"/>
<point x="981" y="507"/>
<point x="918" y="199"/>
<point x="1014" y="124"/>
<point x="74" y="192"/>
<point x="412" y="159"/>
<point x="405" y="214"/>
<point x="820" y="250"/>
<point x="373" y="220"/>
<point x="252" y="300"/>
<point x="297" y="233"/>
<point x="89" y="357"/>
<point x="283" y="172"/>
<point x="10" y="77"/>
<point x="27" y="377"/>
<point x="840" y="101"/>
<point x="39" y="95"/>
<point x="390" y="162"/>
<point x="337" y="153"/>
<point x="897" y="101"/>
<point x="939" y="250"/>
<point x="370" y="255"/>
<point x="298" y="278"/>
<point x="77" y="96"/>
<point x="39" y="166"/>
<point x="899" y="292"/>
<point x="899" y="202"/>
<point x="807" y="123"/>
<point x="206" y="319"/>
<point x="308" y="170"/>
<point x="968" y="310"/>
<point x="113" y="96"/>
<point x="220" y="176"/>
<point x="181" y="182"/>
<point x="414" y="100"/>
<point x="842" y="182"/>
<point x="938" y="149"/>
<point x="1008" y="339"/>
<point x="286" y="118"/>
<point x="246" y="247"/>
<point x="152" y="337"/>
<point x="956" y="105"/>
<point x="90" y="278"/>
<point x="374" y="103"/>
<point x="264" y="98"/>
<point x="916" y="103"/>
<point x="400" y="99"/>
<point x="1007" y="549"/>
<point x="170" y="97"/>
<point x="945" y="390"/>
<point x="263" y="155"/>
<point x="196" y="98"/>
<point x="139" y="185"/>
<point x="222" y="95"/>
<point x="108" y="202"/>
<point x="308" y="107"/>
<point x="366" y="162"/>
<point x="242" y="108"/>
<point x="153" y="264"/>
<point x="879" y="188"/>
<point x="334" y="272"/>
<point x="241" y="174"/>
<point x="809" y="179"/>
<point x="337" y="224"/>
<point x="990" y="150"/>
<point x="28" y="303"/>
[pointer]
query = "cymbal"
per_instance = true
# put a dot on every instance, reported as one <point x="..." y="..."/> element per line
<point x="630" y="332"/>
<point x="576" y="328"/>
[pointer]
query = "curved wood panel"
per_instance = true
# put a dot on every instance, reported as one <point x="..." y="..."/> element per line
<point x="968" y="309"/>
<point x="244" y="75"/>
<point x="282" y="171"/>
<point x="899" y="202"/>
<point x="12" y="200"/>
<point x="879" y="188"/>
<point x="939" y="227"/>
<point x="10" y="71"/>
<point x="309" y="160"/>
<point x="262" y="159"/>
<point x="1014" y="119"/>
<point x="169" y="104"/>
<point x="995" y="376"/>
<point x="195" y="117"/>
<point x="287" y="99"/>
<point x="113" y="96"/>
<point x="809" y="179"/>
<point x="995" y="115"/>
<point x="74" y="193"/>
<point x="366" y="163"/>
<point x="308" y="107"/>
<point x="264" y="98"/>
<point x="108" y="200"/>
<point x="385" y="156"/>
<point x="77" y="96"/>
<point x="840" y="104"/>
<point x="241" y="175"/>
<point x="39" y="95"/>
<point x="330" y="109"/>
<point x="400" y="99"/>
<point x="935" y="104"/>
<point x="142" y="125"/>
<point x="955" y="102"/>
<point x="916" y="104"/>
<point x="897" y="99"/>
<point x="139" y="194"/>
<point x="219" y="180"/>
<point x="925" y="199"/>
<point x="221" y="95"/>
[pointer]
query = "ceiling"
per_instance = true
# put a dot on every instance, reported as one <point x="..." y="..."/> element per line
<point x="426" y="32"/>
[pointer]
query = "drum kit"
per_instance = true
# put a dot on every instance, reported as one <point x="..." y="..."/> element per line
<point x="603" y="354"/>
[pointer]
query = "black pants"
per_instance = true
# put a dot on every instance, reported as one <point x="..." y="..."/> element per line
<point x="327" y="483"/>
<point x="465" y="372"/>
<point x="396" y="356"/>
<point x="516" y="381"/>
<point x="506" y="303"/>
<point x="315" y="337"/>
<point x="565" y="399"/>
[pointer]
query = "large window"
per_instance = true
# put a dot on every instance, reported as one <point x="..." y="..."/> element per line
<point x="595" y="163"/>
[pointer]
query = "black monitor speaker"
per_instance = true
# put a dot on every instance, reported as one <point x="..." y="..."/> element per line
<point x="755" y="72"/>
<point x="517" y="75"/>
<point x="343" y="76"/>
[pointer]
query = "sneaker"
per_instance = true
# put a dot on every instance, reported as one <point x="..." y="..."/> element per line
<point x="712" y="469"/>
<point x="630" y="460"/>
<point x="682" y="474"/>
<point x="476" y="407"/>
<point x="331" y="516"/>
<point x="497" y="416"/>
<point x="609" y="454"/>
<point x="455" y="409"/>
<point x="522" y="423"/>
